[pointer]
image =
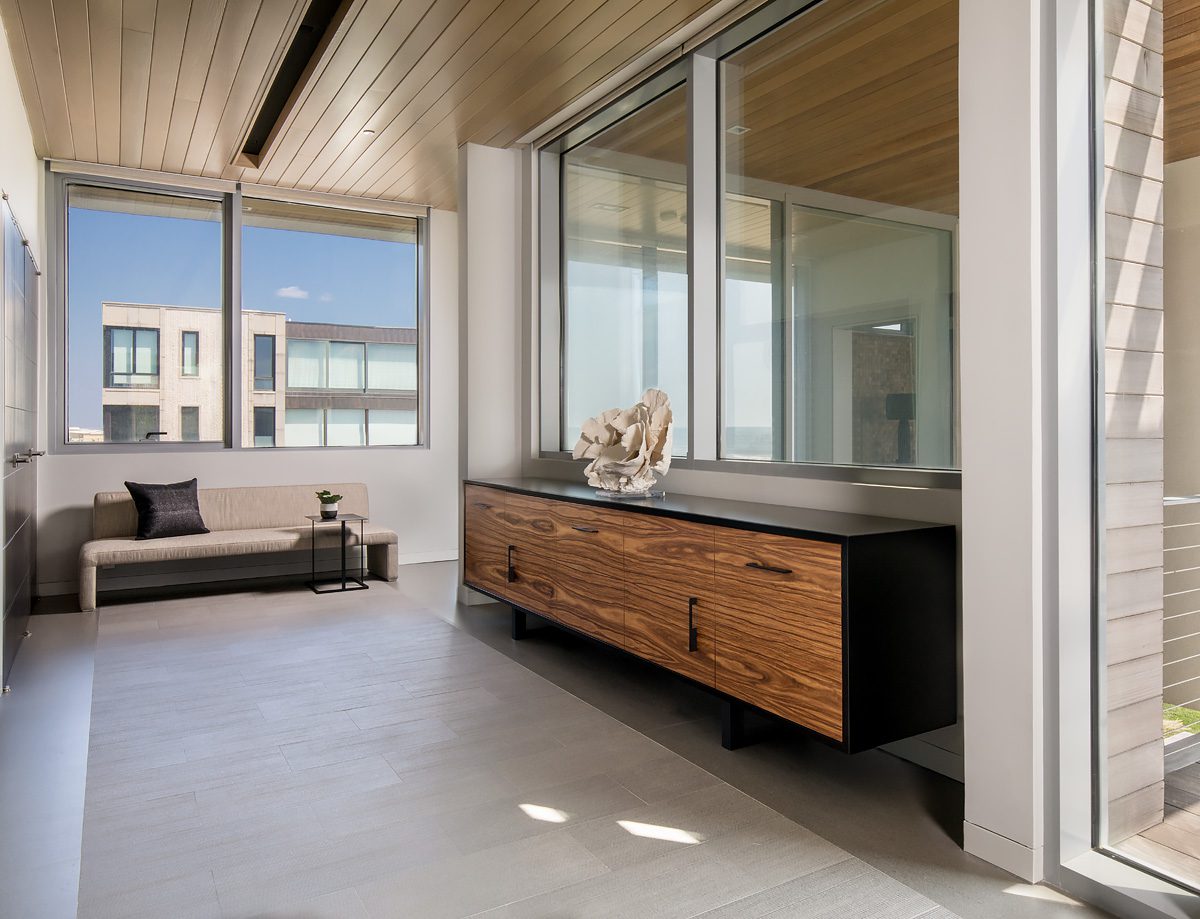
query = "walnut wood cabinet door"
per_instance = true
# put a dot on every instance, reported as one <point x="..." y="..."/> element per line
<point x="669" y="579"/>
<point x="779" y="626"/>
<point x="588" y="587"/>
<point x="485" y="539"/>
<point x="530" y="530"/>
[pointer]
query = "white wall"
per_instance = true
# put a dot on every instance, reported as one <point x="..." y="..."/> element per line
<point x="1181" y="289"/>
<point x="490" y="207"/>
<point x="20" y="173"/>
<point x="412" y="490"/>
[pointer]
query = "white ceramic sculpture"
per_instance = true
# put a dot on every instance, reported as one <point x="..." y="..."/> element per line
<point x="628" y="448"/>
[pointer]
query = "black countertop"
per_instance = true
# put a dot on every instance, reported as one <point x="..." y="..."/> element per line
<point x="770" y="518"/>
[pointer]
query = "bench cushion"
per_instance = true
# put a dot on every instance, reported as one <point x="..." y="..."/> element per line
<point x="125" y="550"/>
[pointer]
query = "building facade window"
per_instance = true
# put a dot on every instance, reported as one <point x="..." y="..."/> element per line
<point x="264" y="426"/>
<point x="190" y="349"/>
<point x="329" y="314"/>
<point x="264" y="363"/>
<point x="127" y="424"/>
<point x="189" y="423"/>
<point x="130" y="358"/>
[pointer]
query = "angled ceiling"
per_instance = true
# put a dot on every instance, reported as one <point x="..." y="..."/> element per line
<point x="174" y="85"/>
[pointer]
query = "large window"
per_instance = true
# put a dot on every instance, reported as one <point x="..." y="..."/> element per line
<point x="766" y="230"/>
<point x="838" y="220"/>
<point x="624" y="265"/>
<point x="143" y="280"/>
<point x="326" y="327"/>
<point x="340" y="290"/>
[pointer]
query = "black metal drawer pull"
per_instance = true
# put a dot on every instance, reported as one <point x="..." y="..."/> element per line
<point x="693" y="632"/>
<point x="760" y="567"/>
<point x="512" y="571"/>
<point x="585" y="529"/>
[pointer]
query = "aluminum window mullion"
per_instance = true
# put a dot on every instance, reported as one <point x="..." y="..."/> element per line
<point x="704" y="255"/>
<point x="232" y="279"/>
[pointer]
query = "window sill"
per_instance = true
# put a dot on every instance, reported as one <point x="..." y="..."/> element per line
<point x="857" y="475"/>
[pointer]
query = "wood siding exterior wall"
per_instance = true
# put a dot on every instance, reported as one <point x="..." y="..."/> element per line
<point x="1133" y="412"/>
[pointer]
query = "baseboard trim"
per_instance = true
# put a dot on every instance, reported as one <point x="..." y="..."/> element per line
<point x="236" y="569"/>
<point x="1014" y="857"/>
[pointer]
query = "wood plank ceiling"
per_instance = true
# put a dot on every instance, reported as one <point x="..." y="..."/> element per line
<point x="173" y="85"/>
<point x="1181" y="77"/>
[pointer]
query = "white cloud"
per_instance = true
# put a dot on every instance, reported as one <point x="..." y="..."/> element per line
<point x="292" y="293"/>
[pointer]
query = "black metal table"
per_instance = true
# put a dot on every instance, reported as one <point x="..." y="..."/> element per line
<point x="347" y="581"/>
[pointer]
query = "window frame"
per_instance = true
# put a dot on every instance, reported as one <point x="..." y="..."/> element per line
<point x="237" y="404"/>
<point x="700" y="71"/>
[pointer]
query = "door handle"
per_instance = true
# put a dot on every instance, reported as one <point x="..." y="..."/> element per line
<point x="19" y="458"/>
<point x="37" y="452"/>
<point x="585" y="529"/>
<point x="758" y="566"/>
<point x="693" y="632"/>
<point x="512" y="571"/>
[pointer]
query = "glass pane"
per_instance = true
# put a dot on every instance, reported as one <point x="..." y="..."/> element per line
<point x="189" y="422"/>
<point x="841" y="201"/>
<point x="392" y="367"/>
<point x="346" y="427"/>
<point x="191" y="354"/>
<point x="625" y="292"/>
<point x="304" y="427"/>
<point x="307" y="363"/>
<point x="142" y="270"/>
<point x="753" y="332"/>
<point x="264" y="426"/>
<point x="394" y="428"/>
<point x="338" y="291"/>
<point x="347" y="365"/>
<point x="264" y="362"/>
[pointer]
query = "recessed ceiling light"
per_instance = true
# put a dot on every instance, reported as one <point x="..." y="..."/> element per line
<point x="738" y="129"/>
<point x="610" y="208"/>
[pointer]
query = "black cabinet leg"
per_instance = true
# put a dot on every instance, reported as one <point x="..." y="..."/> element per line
<point x="520" y="624"/>
<point x="733" y="724"/>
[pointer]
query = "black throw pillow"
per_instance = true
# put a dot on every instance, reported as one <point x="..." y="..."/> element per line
<point x="167" y="510"/>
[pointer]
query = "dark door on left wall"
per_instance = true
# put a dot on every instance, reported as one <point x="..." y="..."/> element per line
<point x="20" y="382"/>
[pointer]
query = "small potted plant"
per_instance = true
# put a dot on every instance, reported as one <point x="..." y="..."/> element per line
<point x="329" y="504"/>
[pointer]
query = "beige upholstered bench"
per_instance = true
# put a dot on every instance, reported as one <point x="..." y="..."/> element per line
<point x="243" y="521"/>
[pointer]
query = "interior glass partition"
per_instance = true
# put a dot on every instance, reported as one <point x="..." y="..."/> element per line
<point x="624" y="266"/>
<point x="839" y="213"/>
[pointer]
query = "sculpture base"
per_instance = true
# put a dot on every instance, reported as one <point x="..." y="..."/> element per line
<point x="629" y="495"/>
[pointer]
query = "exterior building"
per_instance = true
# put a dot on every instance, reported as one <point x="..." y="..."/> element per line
<point x="306" y="384"/>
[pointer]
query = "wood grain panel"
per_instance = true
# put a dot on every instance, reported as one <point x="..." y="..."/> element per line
<point x="589" y="591"/>
<point x="530" y="529"/>
<point x="1181" y="74"/>
<point x="485" y="540"/>
<point x="779" y="633"/>
<point x="667" y="563"/>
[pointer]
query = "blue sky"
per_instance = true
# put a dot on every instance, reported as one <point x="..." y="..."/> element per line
<point x="170" y="260"/>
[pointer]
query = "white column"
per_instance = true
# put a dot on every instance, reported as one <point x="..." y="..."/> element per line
<point x="1002" y="305"/>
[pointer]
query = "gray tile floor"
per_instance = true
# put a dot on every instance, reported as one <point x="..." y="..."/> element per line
<point x="274" y="753"/>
